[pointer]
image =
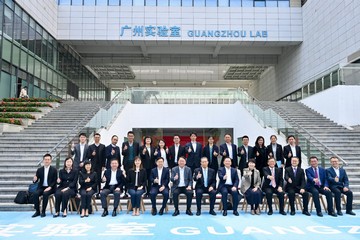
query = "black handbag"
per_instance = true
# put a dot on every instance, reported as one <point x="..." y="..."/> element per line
<point x="21" y="197"/>
<point x="33" y="187"/>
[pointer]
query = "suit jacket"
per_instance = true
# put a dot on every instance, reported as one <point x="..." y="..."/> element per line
<point x="77" y="154"/>
<point x="142" y="178"/>
<point x="119" y="178"/>
<point x="126" y="161"/>
<point x="246" y="180"/>
<point x="68" y="179"/>
<point x="187" y="177"/>
<point x="243" y="162"/>
<point x="278" y="178"/>
<point x="211" y="178"/>
<point x="287" y="149"/>
<point x="97" y="161"/>
<point x="261" y="160"/>
<point x="214" y="164"/>
<point x="110" y="156"/>
<point x="310" y="175"/>
<point x="234" y="161"/>
<point x="279" y="152"/>
<point x="234" y="177"/>
<point x="298" y="181"/>
<point x="51" y="178"/>
<point x="147" y="159"/>
<point x="167" y="155"/>
<point x="343" y="178"/>
<point x="193" y="158"/>
<point x="165" y="177"/>
<point x="171" y="160"/>
<point x="93" y="180"/>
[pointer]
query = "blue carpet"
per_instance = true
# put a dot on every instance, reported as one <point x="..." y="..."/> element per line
<point x="17" y="225"/>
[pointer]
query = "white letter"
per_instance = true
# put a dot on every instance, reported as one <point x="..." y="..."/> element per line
<point x="353" y="229"/>
<point x="282" y="230"/>
<point x="250" y="230"/>
<point x="229" y="230"/>
<point x="188" y="231"/>
<point x="327" y="230"/>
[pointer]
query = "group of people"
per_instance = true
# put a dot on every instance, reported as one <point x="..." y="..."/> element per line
<point x="145" y="170"/>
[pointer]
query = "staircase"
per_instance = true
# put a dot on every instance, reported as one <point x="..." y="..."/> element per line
<point x="20" y="152"/>
<point x="342" y="141"/>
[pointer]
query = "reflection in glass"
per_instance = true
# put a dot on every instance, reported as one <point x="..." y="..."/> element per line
<point x="235" y="3"/>
<point x="211" y="3"/>
<point x="187" y="3"/>
<point x="199" y="3"/>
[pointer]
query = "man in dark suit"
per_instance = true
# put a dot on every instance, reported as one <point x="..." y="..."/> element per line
<point x="211" y="152"/>
<point x="273" y="183"/>
<point x="175" y="151"/>
<point x="159" y="179"/>
<point x="317" y="183"/>
<point x="130" y="149"/>
<point x="97" y="157"/>
<point x="46" y="176"/>
<point x="181" y="178"/>
<point x="112" y="151"/>
<point x="114" y="180"/>
<point x="291" y="150"/>
<point x="275" y="150"/>
<point x="229" y="149"/>
<point x="295" y="178"/>
<point x="194" y="150"/>
<point x="80" y="152"/>
<point x="339" y="184"/>
<point x="205" y="179"/>
<point x="245" y="152"/>
<point x="229" y="183"/>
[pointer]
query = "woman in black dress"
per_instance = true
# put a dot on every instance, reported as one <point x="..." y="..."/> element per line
<point x="260" y="153"/>
<point x="87" y="181"/>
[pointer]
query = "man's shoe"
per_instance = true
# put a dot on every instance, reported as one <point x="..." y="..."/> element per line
<point x="224" y="213"/>
<point x="36" y="214"/>
<point x="188" y="212"/>
<point x="333" y="214"/>
<point x="350" y="213"/>
<point x="212" y="212"/>
<point x="153" y="211"/>
<point x="114" y="213"/>
<point x="283" y="213"/>
<point x="176" y="213"/>
<point x="236" y="213"/>
<point x="270" y="213"/>
<point x="339" y="213"/>
<point x="292" y="213"/>
<point x="98" y="196"/>
<point x="319" y="214"/>
<point x="43" y="214"/>
<point x="161" y="212"/>
<point x="306" y="213"/>
<point x="56" y="215"/>
<point x="105" y="213"/>
<point x="198" y="212"/>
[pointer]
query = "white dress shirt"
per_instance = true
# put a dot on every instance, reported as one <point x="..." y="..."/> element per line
<point x="181" y="177"/>
<point x="46" y="174"/>
<point x="274" y="150"/>
<point x="163" y="155"/>
<point x="194" y="146"/>
<point x="337" y="171"/>
<point x="230" y="150"/>
<point x="159" y="175"/>
<point x="228" y="174"/>
<point x="176" y="153"/>
<point x="113" y="180"/>
<point x="293" y="150"/>
<point x="247" y="152"/>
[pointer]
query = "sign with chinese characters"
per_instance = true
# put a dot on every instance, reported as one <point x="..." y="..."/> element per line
<point x="152" y="31"/>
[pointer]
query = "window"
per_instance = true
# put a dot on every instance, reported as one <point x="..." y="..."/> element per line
<point x="8" y="22"/>
<point x="174" y="3"/>
<point x="101" y="2"/>
<point x="6" y="50"/>
<point x="77" y="2"/>
<point x="199" y="3"/>
<point x="89" y="2"/>
<point x="138" y="2"/>
<point x="271" y="3"/>
<point x="223" y="3"/>
<point x="247" y="3"/>
<point x="151" y="3"/>
<point x="64" y="2"/>
<point x="284" y="3"/>
<point x="187" y="3"/>
<point x="211" y="3"/>
<point x="114" y="2"/>
<point x="259" y="3"/>
<point x="235" y="3"/>
<point x="126" y="2"/>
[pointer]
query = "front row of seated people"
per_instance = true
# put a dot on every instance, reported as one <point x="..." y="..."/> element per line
<point x="329" y="182"/>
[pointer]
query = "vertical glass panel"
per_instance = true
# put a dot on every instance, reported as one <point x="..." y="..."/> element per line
<point x="24" y="34"/>
<point x="199" y="3"/>
<point x="271" y="3"/>
<point x="31" y="62"/>
<point x="32" y="36"/>
<point x="319" y="86"/>
<point x="114" y="2"/>
<point x="138" y="2"/>
<point x="6" y="50"/>
<point x="5" y="85"/>
<point x="259" y="3"/>
<point x="327" y="83"/>
<point x="187" y="3"/>
<point x="175" y="3"/>
<point x="43" y="72"/>
<point x="126" y="2"/>
<point x="77" y="2"/>
<point x="1" y="16"/>
<point x="284" y="3"/>
<point x="64" y="2"/>
<point x="16" y="55"/>
<point x="235" y="3"/>
<point x="17" y="28"/>
<point x="101" y="2"/>
<point x="38" y="41"/>
<point x="89" y="2"/>
<point x="335" y="78"/>
<point x="211" y="3"/>
<point x="247" y="3"/>
<point x="23" y="60"/>
<point x="305" y="91"/>
<point x="37" y="70"/>
<point x="223" y="3"/>
<point x="8" y="22"/>
<point x="151" y="2"/>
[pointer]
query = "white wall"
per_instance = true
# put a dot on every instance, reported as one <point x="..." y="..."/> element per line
<point x="340" y="104"/>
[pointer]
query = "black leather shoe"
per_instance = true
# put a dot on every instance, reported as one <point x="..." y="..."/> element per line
<point x="212" y="212"/>
<point x="161" y="212"/>
<point x="283" y="213"/>
<point x="176" y="213"/>
<point x="98" y="196"/>
<point x="114" y="213"/>
<point x="43" y="214"/>
<point x="56" y="215"/>
<point x="270" y="213"/>
<point x="198" y="212"/>
<point x="339" y="213"/>
<point x="153" y="211"/>
<point x="350" y="213"/>
<point x="306" y="213"/>
<point x="292" y="213"/>
<point x="319" y="214"/>
<point x="36" y="214"/>
<point x="224" y="213"/>
<point x="236" y="213"/>
<point x="64" y="216"/>
<point x="333" y="214"/>
<point x="105" y="213"/>
<point x="188" y="212"/>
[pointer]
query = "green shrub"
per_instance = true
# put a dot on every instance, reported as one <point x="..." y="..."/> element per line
<point x="16" y="115"/>
<point x="32" y="100"/>
<point x="11" y="121"/>
<point x="19" y="109"/>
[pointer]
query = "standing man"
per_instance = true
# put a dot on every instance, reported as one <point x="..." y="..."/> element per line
<point x="295" y="178"/>
<point x="113" y="152"/>
<point x="80" y="152"/>
<point x="159" y="179"/>
<point x="97" y="157"/>
<point x="130" y="150"/>
<point x="211" y="152"/>
<point x="229" y="149"/>
<point x="181" y="178"/>
<point x="229" y="183"/>
<point x="339" y="184"/>
<point x="317" y="183"/>
<point x="275" y="150"/>
<point x="273" y="183"/>
<point x="205" y="179"/>
<point x="176" y="151"/>
<point x="194" y="150"/>
<point x="245" y="152"/>
<point x="46" y="176"/>
<point x="291" y="150"/>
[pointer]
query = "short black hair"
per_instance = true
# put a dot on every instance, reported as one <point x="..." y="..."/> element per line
<point x="68" y="159"/>
<point x="146" y="138"/>
<point x="176" y="135"/>
<point x="82" y="134"/>
<point x="114" y="136"/>
<point x="290" y="137"/>
<point x="193" y="133"/>
<point x="273" y="136"/>
<point x="314" y="157"/>
<point x="159" y="158"/>
<point x="97" y="134"/>
<point x="130" y="132"/>
<point x="227" y="134"/>
<point x="47" y="155"/>
<point x="245" y="136"/>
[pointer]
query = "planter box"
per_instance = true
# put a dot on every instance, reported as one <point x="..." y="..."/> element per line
<point x="37" y="115"/>
<point x="6" y="127"/>
<point x="53" y="104"/>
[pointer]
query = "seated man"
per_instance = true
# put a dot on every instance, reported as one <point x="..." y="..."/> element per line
<point x="159" y="179"/>
<point x="295" y="178"/>
<point x="205" y="179"/>
<point x="114" y="181"/>
<point x="182" y="183"/>
<point x="46" y="176"/>
<point x="273" y="183"/>
<point x="339" y="184"/>
<point x="229" y="182"/>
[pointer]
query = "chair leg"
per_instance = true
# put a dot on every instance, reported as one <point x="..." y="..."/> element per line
<point x="129" y="206"/>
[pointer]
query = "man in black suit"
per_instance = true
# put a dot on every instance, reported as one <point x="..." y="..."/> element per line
<point x="96" y="155"/>
<point x="229" y="184"/>
<point x="46" y="176"/>
<point x="112" y="151"/>
<point x="80" y="152"/>
<point x="181" y="178"/>
<point x="130" y="150"/>
<point x="114" y="180"/>
<point x="245" y="152"/>
<point x="176" y="151"/>
<point x="228" y="149"/>
<point x="159" y="179"/>
<point x="275" y="150"/>
<point x="211" y="152"/>
<point x="194" y="150"/>
<point x="291" y="150"/>
<point x="295" y="178"/>
<point x="273" y="183"/>
<point x="205" y="179"/>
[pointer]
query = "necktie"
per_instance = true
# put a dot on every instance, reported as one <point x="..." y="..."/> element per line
<point x="294" y="172"/>
<point x="205" y="178"/>
<point x="316" y="176"/>
<point x="273" y="183"/>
